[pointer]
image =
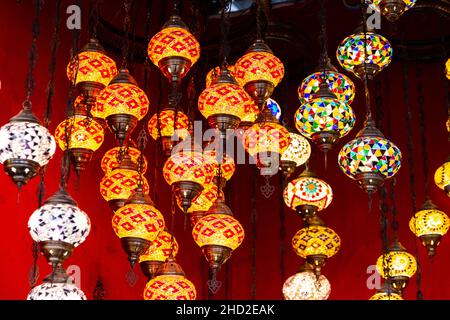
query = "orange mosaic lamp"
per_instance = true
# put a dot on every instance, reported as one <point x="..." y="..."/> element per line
<point x="215" y="72"/>
<point x="170" y="283"/>
<point x="218" y="234"/>
<point x="157" y="253"/>
<point x="95" y="70"/>
<point x="111" y="159"/>
<point x="259" y="71"/>
<point x="84" y="137"/>
<point x="225" y="103"/>
<point x="227" y="165"/>
<point x="164" y="125"/>
<point x="187" y="171"/>
<point x="137" y="224"/>
<point x="174" y="50"/>
<point x="118" y="185"/>
<point x="122" y="103"/>
<point x="200" y="206"/>
<point x="266" y="140"/>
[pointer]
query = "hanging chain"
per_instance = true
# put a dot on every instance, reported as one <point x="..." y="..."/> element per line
<point x="96" y="17"/>
<point x="126" y="30"/>
<point x="142" y="143"/>
<point x="423" y="130"/>
<point x="225" y="28"/>
<point x="366" y="54"/>
<point x="253" y="224"/>
<point x="172" y="224"/>
<point x="323" y="39"/>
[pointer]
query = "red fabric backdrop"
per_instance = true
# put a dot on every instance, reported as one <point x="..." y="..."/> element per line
<point x="102" y="255"/>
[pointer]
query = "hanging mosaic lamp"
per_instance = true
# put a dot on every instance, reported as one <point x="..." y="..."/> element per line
<point x="56" y="286"/>
<point x="122" y="104"/>
<point x="447" y="73"/>
<point x="187" y="172"/>
<point x="227" y="166"/>
<point x="324" y="119"/>
<point x="391" y="9"/>
<point x="25" y="146"/>
<point x="442" y="177"/>
<point x="316" y="243"/>
<point x="297" y="153"/>
<point x="259" y="71"/>
<point x="266" y="140"/>
<point x="58" y="227"/>
<point x="137" y="224"/>
<point x="218" y="234"/>
<point x="398" y="265"/>
<point x="157" y="253"/>
<point x="225" y="103"/>
<point x="370" y="158"/>
<point x="307" y="194"/>
<point x="174" y="50"/>
<point x="114" y="156"/>
<point x="93" y="70"/>
<point x="170" y="283"/>
<point x="215" y="72"/>
<point x="430" y="224"/>
<point x="118" y="185"/>
<point x="200" y="206"/>
<point x="84" y="135"/>
<point x="164" y="124"/>
<point x="350" y="54"/>
<point x="305" y="285"/>
<point x="387" y="293"/>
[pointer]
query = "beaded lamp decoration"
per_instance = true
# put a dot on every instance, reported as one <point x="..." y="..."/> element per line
<point x="391" y="9"/>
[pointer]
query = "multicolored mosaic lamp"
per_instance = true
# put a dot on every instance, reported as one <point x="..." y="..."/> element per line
<point x="84" y="136"/>
<point x="225" y="103"/>
<point x="350" y="54"/>
<point x="157" y="253"/>
<point x="305" y="285"/>
<point x="162" y="127"/>
<point x="398" y="265"/>
<point x="324" y="119"/>
<point x="297" y="153"/>
<point x="174" y="50"/>
<point x="122" y="103"/>
<point x="170" y="283"/>
<point x="391" y="9"/>
<point x="316" y="243"/>
<point x="442" y="177"/>
<point x="259" y="71"/>
<point x="95" y="71"/>
<point x="370" y="158"/>
<point x="430" y="224"/>
<point x="307" y="194"/>
<point x="137" y="224"/>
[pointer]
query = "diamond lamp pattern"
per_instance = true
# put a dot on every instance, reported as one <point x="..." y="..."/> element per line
<point x="84" y="133"/>
<point x="166" y="120"/>
<point x="110" y="160"/>
<point x="160" y="248"/>
<point x="256" y="66"/>
<point x="316" y="240"/>
<point x="121" y="184"/>
<point x="92" y="67"/>
<point x="308" y="191"/>
<point x="56" y="291"/>
<point x="266" y="137"/>
<point x="170" y="287"/>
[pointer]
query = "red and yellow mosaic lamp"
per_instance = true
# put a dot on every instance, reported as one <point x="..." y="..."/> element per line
<point x="259" y="71"/>
<point x="114" y="156"/>
<point x="200" y="206"/>
<point x="215" y="72"/>
<point x="227" y="166"/>
<point x="157" y="253"/>
<point x="164" y="124"/>
<point x="442" y="177"/>
<point x="225" y="103"/>
<point x="122" y="104"/>
<point x="95" y="71"/>
<point x="174" y="50"/>
<point x="82" y="136"/>
<point x="391" y="9"/>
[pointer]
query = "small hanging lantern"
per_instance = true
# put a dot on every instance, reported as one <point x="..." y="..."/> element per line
<point x="387" y="293"/>
<point x="442" y="177"/>
<point x="305" y="285"/>
<point x="114" y="156"/>
<point x="214" y="73"/>
<point x="297" y="153"/>
<point x="200" y="206"/>
<point x="391" y="9"/>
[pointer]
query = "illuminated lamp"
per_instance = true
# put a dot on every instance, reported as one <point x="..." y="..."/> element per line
<point x="442" y="177"/>
<point x="297" y="153"/>
<point x="391" y="9"/>
<point x="305" y="285"/>
<point x="112" y="158"/>
<point x="386" y="293"/>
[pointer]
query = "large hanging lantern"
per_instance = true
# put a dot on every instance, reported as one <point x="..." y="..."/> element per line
<point x="56" y="286"/>
<point x="324" y="119"/>
<point x="391" y="9"/>
<point x="122" y="103"/>
<point x="58" y="227"/>
<point x="25" y="147"/>
<point x="164" y="124"/>
<point x="297" y="153"/>
<point x="442" y="177"/>
<point x="316" y="243"/>
<point x="174" y="50"/>
<point x="84" y="137"/>
<point x="386" y="293"/>
<point x="430" y="224"/>
<point x="218" y="234"/>
<point x="157" y="253"/>
<point x="370" y="158"/>
<point x="341" y="85"/>
<point x="187" y="172"/>
<point x="398" y="265"/>
<point x="170" y="283"/>
<point x="93" y="70"/>
<point x="118" y="185"/>
<point x="266" y="140"/>
<point x="200" y="206"/>
<point x="225" y="103"/>
<point x="307" y="194"/>
<point x="305" y="285"/>
<point x="259" y="71"/>
<point x="114" y="156"/>
<point x="351" y="53"/>
<point x="137" y="224"/>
